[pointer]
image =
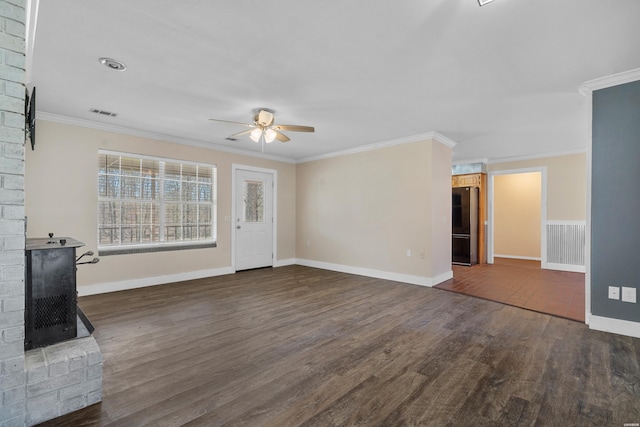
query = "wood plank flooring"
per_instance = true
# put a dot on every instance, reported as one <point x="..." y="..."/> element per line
<point x="296" y="346"/>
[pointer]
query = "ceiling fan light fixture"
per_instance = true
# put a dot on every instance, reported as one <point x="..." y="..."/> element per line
<point x="256" y="134"/>
<point x="269" y="135"/>
<point x="263" y="130"/>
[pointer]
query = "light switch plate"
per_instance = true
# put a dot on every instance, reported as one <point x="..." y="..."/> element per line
<point x="628" y="294"/>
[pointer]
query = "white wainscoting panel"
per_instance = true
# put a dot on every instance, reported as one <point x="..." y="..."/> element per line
<point x="565" y="245"/>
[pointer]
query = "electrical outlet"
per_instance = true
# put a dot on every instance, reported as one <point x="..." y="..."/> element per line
<point x="421" y="254"/>
<point x="628" y="294"/>
<point x="614" y="292"/>
<point x="408" y="252"/>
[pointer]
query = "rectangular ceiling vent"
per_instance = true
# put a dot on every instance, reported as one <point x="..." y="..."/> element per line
<point x="102" y="112"/>
<point x="231" y="139"/>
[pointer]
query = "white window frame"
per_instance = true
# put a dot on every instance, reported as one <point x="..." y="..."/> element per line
<point x="163" y="244"/>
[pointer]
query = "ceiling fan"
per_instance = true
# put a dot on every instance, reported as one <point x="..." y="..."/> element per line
<point x="263" y="129"/>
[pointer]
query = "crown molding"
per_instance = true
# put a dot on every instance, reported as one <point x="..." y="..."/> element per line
<point x="436" y="136"/>
<point x="43" y="115"/>
<point x="613" y="80"/>
<point x="537" y="156"/>
<point x="58" y="118"/>
<point x="470" y="161"/>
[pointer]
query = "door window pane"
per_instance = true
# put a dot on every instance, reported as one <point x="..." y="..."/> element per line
<point x="253" y="201"/>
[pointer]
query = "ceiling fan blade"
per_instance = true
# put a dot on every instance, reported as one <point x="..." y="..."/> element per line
<point x="295" y="128"/>
<point x="235" y="123"/>
<point x="244" y="132"/>
<point x="281" y="136"/>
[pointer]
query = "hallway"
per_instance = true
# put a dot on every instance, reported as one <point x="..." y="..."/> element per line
<point x="523" y="284"/>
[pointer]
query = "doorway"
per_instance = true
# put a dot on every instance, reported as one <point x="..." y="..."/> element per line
<point x="517" y="214"/>
<point x="253" y="229"/>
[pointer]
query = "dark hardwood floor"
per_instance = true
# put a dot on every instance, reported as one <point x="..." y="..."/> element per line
<point x="296" y="346"/>
<point x="524" y="284"/>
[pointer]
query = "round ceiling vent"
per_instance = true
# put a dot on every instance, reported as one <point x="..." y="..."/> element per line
<point x="113" y="64"/>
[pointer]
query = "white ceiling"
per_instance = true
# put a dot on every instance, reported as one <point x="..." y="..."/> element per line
<point x="501" y="80"/>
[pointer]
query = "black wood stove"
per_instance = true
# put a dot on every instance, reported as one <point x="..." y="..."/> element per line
<point x="50" y="294"/>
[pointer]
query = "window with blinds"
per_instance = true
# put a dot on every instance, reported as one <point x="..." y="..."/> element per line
<point x="147" y="204"/>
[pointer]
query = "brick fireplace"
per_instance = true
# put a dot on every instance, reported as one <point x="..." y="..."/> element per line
<point x="62" y="378"/>
<point x="62" y="360"/>
<point x="46" y="382"/>
<point x="12" y="123"/>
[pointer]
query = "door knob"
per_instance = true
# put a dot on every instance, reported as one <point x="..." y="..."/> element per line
<point x="238" y="227"/>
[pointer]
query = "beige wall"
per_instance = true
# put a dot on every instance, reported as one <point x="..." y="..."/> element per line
<point x="61" y="197"/>
<point x="440" y="209"/>
<point x="566" y="184"/>
<point x="362" y="210"/>
<point x="367" y="209"/>
<point x="516" y="214"/>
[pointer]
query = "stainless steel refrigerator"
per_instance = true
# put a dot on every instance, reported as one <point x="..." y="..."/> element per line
<point x="464" y="245"/>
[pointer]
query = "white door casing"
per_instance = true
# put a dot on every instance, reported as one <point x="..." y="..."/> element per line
<point x="543" y="210"/>
<point x="253" y="218"/>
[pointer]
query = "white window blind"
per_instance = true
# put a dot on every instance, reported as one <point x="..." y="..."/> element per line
<point x="146" y="202"/>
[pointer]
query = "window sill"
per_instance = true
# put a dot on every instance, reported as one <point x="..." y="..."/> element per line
<point x="126" y="250"/>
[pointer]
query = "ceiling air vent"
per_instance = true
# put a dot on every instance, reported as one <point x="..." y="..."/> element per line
<point x="104" y="113"/>
<point x="231" y="139"/>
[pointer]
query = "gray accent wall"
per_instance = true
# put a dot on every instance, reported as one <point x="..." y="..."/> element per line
<point x="615" y="199"/>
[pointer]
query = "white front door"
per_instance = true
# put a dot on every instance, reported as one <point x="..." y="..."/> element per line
<point x="253" y="220"/>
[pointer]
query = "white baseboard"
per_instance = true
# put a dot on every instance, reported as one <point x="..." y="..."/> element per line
<point x="442" y="278"/>
<point x="548" y="265"/>
<point x="284" y="262"/>
<point x="528" y="258"/>
<point x="564" y="267"/>
<point x="378" y="274"/>
<point x="101" y="288"/>
<point x="616" y="326"/>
